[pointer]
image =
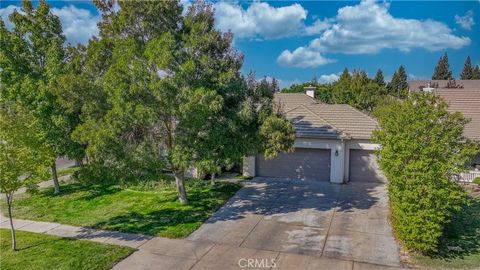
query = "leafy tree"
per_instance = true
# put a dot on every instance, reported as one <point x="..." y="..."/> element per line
<point x="23" y="155"/>
<point x="467" y="72"/>
<point x="171" y="83"/>
<point x="422" y="146"/>
<point x="442" y="69"/>
<point x="378" y="79"/>
<point x="32" y="60"/>
<point x="398" y="86"/>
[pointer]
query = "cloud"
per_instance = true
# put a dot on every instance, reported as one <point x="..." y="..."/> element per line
<point x="328" y="78"/>
<point x="78" y="24"/>
<point x="368" y="28"/>
<point x="466" y="22"/>
<point x="303" y="58"/>
<point x="262" y="21"/>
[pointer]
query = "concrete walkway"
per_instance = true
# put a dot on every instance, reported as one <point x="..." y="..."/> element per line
<point x="182" y="254"/>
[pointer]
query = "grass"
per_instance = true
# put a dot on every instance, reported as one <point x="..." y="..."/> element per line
<point x="42" y="251"/>
<point x="151" y="209"/>
<point x="460" y="247"/>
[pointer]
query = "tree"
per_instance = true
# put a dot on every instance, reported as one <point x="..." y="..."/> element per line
<point x="33" y="58"/>
<point x="398" y="86"/>
<point x="467" y="72"/>
<point x="23" y="155"/>
<point x="171" y="83"/>
<point x="422" y="146"/>
<point x="476" y="73"/>
<point x="378" y="79"/>
<point x="442" y="69"/>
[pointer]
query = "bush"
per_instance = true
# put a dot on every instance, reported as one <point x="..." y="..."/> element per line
<point x="476" y="180"/>
<point x="422" y="144"/>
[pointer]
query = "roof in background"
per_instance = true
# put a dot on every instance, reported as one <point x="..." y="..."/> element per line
<point x="465" y="100"/>
<point x="318" y="120"/>
<point x="416" y="86"/>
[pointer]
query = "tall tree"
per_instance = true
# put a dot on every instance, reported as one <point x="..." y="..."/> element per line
<point x="173" y="83"/>
<point x="467" y="72"/>
<point x="476" y="73"/>
<point x="33" y="58"/>
<point x="23" y="155"/>
<point x="442" y="69"/>
<point x="398" y="86"/>
<point x="378" y="79"/>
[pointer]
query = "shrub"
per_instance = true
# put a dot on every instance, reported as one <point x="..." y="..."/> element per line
<point x="476" y="180"/>
<point x="422" y="145"/>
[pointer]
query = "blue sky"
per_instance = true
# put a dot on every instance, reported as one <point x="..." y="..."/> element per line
<point x="295" y="41"/>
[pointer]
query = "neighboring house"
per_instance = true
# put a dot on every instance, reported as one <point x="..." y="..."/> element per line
<point x="333" y="143"/>
<point x="462" y="96"/>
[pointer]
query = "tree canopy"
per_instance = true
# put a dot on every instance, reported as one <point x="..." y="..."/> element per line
<point x="442" y="69"/>
<point x="467" y="72"/>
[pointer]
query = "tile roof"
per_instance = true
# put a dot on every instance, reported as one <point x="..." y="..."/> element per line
<point x="465" y="100"/>
<point x="416" y="86"/>
<point x="319" y="120"/>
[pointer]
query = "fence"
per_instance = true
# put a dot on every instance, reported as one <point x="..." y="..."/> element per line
<point x="469" y="176"/>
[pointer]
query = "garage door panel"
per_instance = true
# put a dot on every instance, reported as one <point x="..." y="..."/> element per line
<point x="307" y="164"/>
<point x="363" y="167"/>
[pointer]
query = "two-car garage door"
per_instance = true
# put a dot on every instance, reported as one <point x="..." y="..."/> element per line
<point x="303" y="163"/>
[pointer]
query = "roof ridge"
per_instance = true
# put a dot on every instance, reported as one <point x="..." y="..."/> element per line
<point x="318" y="116"/>
<point x="363" y="114"/>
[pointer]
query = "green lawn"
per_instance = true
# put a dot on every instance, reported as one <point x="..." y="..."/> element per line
<point x="42" y="251"/>
<point x="151" y="209"/>
<point x="464" y="235"/>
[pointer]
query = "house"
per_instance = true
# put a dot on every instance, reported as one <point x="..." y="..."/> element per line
<point x="333" y="143"/>
<point x="462" y="96"/>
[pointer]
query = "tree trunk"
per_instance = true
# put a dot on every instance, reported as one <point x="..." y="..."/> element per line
<point x="212" y="179"/>
<point x="180" y="181"/>
<point x="55" y="179"/>
<point x="9" y="205"/>
<point x="78" y="162"/>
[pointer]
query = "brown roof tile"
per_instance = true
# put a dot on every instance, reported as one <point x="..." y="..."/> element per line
<point x="313" y="119"/>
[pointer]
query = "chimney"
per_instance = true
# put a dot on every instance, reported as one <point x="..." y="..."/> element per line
<point x="428" y="89"/>
<point x="310" y="91"/>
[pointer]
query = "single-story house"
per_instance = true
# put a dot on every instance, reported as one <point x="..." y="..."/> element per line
<point x="333" y="143"/>
<point x="461" y="96"/>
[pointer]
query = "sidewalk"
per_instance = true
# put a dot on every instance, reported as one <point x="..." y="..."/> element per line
<point x="165" y="253"/>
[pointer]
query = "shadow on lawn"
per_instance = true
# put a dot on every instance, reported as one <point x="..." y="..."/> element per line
<point x="92" y="191"/>
<point x="462" y="236"/>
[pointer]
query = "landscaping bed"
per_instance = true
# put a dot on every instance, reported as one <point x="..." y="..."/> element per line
<point x="460" y="247"/>
<point x="149" y="208"/>
<point x="42" y="251"/>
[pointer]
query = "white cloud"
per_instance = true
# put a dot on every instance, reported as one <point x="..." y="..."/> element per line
<point x="328" y="78"/>
<point x="303" y="58"/>
<point x="79" y="25"/>
<point x="368" y="28"/>
<point x="262" y="21"/>
<point x="466" y="22"/>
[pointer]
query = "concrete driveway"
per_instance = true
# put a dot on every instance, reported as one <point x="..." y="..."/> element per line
<point x="347" y="222"/>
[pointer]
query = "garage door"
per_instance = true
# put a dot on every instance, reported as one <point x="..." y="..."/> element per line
<point x="363" y="167"/>
<point x="307" y="164"/>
